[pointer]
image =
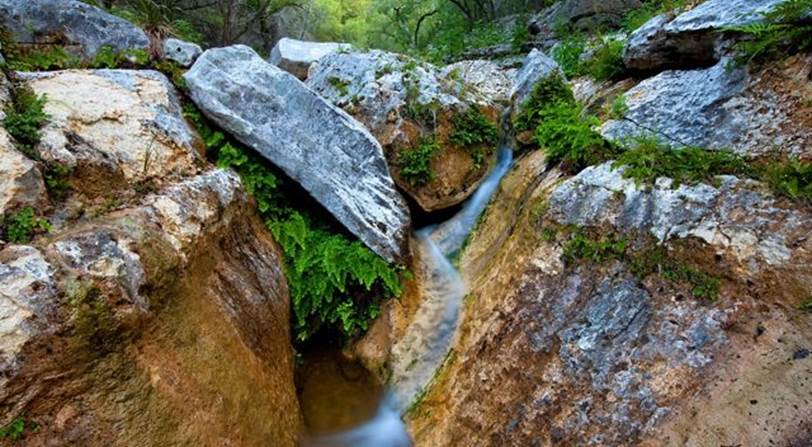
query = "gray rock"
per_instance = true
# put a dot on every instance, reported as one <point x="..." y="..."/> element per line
<point x="296" y="56"/>
<point x="714" y="108"/>
<point x="582" y="14"/>
<point x="734" y="216"/>
<point x="83" y="28"/>
<point x="491" y="82"/>
<point x="329" y="153"/>
<point x="693" y="38"/>
<point x="181" y="52"/>
<point x="536" y="67"/>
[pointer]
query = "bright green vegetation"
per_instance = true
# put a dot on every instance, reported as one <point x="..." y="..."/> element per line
<point x="474" y="132"/>
<point x="649" y="160"/>
<point x="618" y="108"/>
<point x="806" y="305"/>
<point x="108" y="57"/>
<point x="785" y="30"/>
<point x="415" y="162"/>
<point x="607" y="60"/>
<point x="654" y="260"/>
<point x="50" y="58"/>
<point x="19" y="227"/>
<point x="25" y="116"/>
<point x="790" y="178"/>
<point x="550" y="90"/>
<point x="651" y="8"/>
<point x="340" y="85"/>
<point x="16" y="429"/>
<point x="568" y="53"/>
<point x="334" y="280"/>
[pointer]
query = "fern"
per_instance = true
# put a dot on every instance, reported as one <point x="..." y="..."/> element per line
<point x="786" y="29"/>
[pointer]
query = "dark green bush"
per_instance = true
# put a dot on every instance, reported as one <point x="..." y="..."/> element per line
<point x="568" y="54"/>
<point x="580" y="247"/>
<point x="567" y="135"/>
<point x="19" y="227"/>
<point x="25" y="116"/>
<point x="550" y="90"/>
<point x="472" y="131"/>
<point x="415" y="163"/>
<point x="607" y="61"/>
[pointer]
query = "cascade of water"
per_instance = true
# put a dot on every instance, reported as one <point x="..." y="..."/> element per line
<point x="421" y="352"/>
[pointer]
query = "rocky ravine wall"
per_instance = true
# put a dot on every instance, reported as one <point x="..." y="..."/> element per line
<point x="156" y="311"/>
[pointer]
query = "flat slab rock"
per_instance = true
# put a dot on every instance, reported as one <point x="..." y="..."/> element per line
<point x="317" y="144"/>
<point x="296" y="56"/>
<point x="82" y="27"/>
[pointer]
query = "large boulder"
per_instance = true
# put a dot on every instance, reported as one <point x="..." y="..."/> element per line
<point x="485" y="81"/>
<point x="124" y="127"/>
<point x="404" y="102"/>
<point x="535" y="67"/>
<point x="753" y="114"/>
<point x="582" y="15"/>
<point x="317" y="144"/>
<point x="553" y="351"/>
<point x="82" y="28"/>
<point x="296" y="56"/>
<point x="181" y="52"/>
<point x="694" y="38"/>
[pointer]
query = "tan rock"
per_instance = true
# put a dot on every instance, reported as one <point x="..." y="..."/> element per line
<point x="20" y="181"/>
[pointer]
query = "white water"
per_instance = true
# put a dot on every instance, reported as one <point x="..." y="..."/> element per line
<point x="428" y="339"/>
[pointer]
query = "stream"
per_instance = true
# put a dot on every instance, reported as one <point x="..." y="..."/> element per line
<point x="423" y="349"/>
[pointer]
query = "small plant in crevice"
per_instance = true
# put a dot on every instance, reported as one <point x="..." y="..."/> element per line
<point x="607" y="60"/>
<point x="618" y="108"/>
<point x="341" y="86"/>
<point x="415" y="162"/>
<point x="789" y="178"/>
<point x="40" y="59"/>
<point x="25" y="116"/>
<point x="567" y="53"/>
<point x="806" y="305"/>
<point x="16" y="429"/>
<point x="582" y="247"/>
<point x="472" y="131"/>
<point x="547" y="91"/>
<point x="19" y="227"/>
<point x="57" y="177"/>
<point x="784" y="30"/>
<point x="656" y="261"/>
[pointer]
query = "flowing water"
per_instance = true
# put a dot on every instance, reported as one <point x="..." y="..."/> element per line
<point x="428" y="339"/>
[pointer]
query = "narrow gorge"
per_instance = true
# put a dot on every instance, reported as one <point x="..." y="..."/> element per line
<point x="568" y="222"/>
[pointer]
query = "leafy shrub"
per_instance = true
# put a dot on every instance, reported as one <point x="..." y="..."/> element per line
<point x="791" y="178"/>
<point x="40" y="59"/>
<point x="785" y="30"/>
<point x="19" y="227"/>
<point x="335" y="281"/>
<point x="568" y="54"/>
<point x="618" y="108"/>
<point x="649" y="159"/>
<point x="25" y="115"/>
<point x="56" y="179"/>
<point x="550" y="90"/>
<point x="108" y="57"/>
<point x="471" y="130"/>
<point x="581" y="247"/>
<point x="566" y="134"/>
<point x="15" y="430"/>
<point x="415" y="163"/>
<point x="607" y="61"/>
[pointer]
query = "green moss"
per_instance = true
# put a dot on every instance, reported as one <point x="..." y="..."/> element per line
<point x="415" y="163"/>
<point x="581" y="247"/>
<point x="655" y="261"/>
<point x="21" y="226"/>
<point x="25" y="116"/>
<point x="93" y="320"/>
<point x="649" y="160"/>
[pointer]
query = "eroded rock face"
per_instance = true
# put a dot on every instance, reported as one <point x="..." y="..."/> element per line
<point x="693" y="38"/>
<point x="124" y="127"/>
<point x="21" y="183"/>
<point x="181" y="52"/>
<point x="296" y="56"/>
<point x="587" y="353"/>
<point x="83" y="28"/>
<point x="491" y="82"/>
<point x="403" y="102"/>
<point x="329" y="153"/>
<point x="752" y="114"/>
<point x="582" y="14"/>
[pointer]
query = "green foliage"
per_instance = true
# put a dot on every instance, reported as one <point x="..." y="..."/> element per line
<point x="108" y="57"/>
<point x="57" y="179"/>
<point x="791" y="178"/>
<point x="19" y="227"/>
<point x="340" y="85"/>
<point x="784" y="30"/>
<point x="607" y="60"/>
<point x="415" y="163"/>
<point x="580" y="247"/>
<point x="548" y="91"/>
<point x="334" y="280"/>
<point x="638" y="17"/>
<point x="618" y="108"/>
<point x="649" y="159"/>
<point x="655" y="261"/>
<point x="568" y="54"/>
<point x="566" y="134"/>
<point x="806" y="305"/>
<point x="25" y="115"/>
<point x="40" y="59"/>
<point x="16" y="429"/>
<point x="472" y="130"/>
<point x="520" y="35"/>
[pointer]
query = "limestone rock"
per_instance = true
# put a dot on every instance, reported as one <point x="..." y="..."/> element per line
<point x="692" y="38"/>
<point x="21" y="183"/>
<point x="720" y="108"/>
<point x="491" y="83"/>
<point x="536" y="66"/>
<point x="403" y="101"/>
<point x="330" y="154"/>
<point x="181" y="52"/>
<point x="582" y="14"/>
<point x="296" y="56"/>
<point x="124" y="126"/>
<point x="83" y="28"/>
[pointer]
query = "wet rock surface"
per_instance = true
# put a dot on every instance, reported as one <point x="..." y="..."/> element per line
<point x="83" y="28"/>
<point x="329" y="153"/>
<point x="402" y="102"/>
